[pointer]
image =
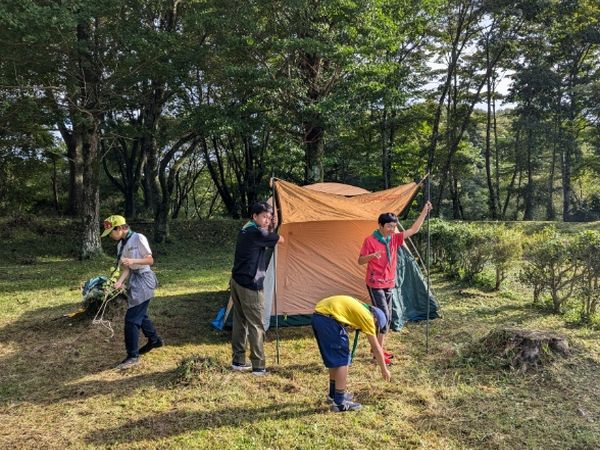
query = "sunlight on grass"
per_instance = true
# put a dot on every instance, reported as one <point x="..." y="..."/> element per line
<point x="58" y="384"/>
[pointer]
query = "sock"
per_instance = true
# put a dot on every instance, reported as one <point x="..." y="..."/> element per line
<point x="331" y="388"/>
<point x="338" y="397"/>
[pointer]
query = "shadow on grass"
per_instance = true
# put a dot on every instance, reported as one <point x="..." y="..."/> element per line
<point x="514" y="313"/>
<point x="45" y="353"/>
<point x="161" y="426"/>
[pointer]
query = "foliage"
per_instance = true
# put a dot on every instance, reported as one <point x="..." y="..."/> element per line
<point x="465" y="249"/>
<point x="194" y="105"/>
<point x="550" y="266"/>
<point x="586" y="251"/>
<point x="506" y="251"/>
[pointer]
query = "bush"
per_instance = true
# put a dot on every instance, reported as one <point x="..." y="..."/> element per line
<point x="462" y="250"/>
<point x="448" y="241"/>
<point x="506" y="249"/>
<point x="550" y="266"/>
<point x="586" y="251"/>
<point x="478" y="241"/>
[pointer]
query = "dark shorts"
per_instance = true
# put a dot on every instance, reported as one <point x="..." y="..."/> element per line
<point x="333" y="341"/>
<point x="382" y="299"/>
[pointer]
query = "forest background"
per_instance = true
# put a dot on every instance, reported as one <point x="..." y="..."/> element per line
<point x="185" y="109"/>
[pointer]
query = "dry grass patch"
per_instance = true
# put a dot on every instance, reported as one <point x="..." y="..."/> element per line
<point x="58" y="387"/>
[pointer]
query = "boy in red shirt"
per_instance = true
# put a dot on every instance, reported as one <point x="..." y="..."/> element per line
<point x="380" y="252"/>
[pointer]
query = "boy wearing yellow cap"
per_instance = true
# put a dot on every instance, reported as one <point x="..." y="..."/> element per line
<point x="135" y="258"/>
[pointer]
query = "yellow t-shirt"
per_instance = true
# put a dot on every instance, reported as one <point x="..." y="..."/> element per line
<point x="349" y="311"/>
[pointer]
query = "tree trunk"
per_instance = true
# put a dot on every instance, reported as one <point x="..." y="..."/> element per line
<point x="90" y="214"/>
<point x="550" y="213"/>
<point x="161" y="222"/>
<point x="496" y="156"/>
<point x="488" y="152"/>
<point x="75" y="158"/>
<point x="529" y="205"/>
<point x="566" y="179"/>
<point x="130" y="161"/>
<point x="87" y="120"/>
<point x="314" y="152"/>
<point x="214" y="164"/>
<point x="55" y="186"/>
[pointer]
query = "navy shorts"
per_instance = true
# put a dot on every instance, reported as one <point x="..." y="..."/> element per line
<point x="333" y="341"/>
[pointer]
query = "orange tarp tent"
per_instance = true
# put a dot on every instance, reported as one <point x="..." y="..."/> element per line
<point x="324" y="226"/>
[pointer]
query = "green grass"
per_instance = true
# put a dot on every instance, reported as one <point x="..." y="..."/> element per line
<point x="58" y="387"/>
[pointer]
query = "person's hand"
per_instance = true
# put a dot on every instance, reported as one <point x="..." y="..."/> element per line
<point x="118" y="285"/>
<point x="428" y="207"/>
<point x="126" y="262"/>
<point x="385" y="373"/>
<point x="377" y="254"/>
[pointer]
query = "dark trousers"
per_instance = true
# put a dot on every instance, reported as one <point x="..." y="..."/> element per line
<point x="248" y="307"/>
<point x="136" y="318"/>
<point x="382" y="298"/>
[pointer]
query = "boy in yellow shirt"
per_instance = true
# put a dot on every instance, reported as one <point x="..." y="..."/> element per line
<point x="329" y="320"/>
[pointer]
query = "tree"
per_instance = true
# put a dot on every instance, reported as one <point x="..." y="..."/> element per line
<point x="63" y="70"/>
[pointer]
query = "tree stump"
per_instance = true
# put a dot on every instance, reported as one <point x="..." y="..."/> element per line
<point x="524" y="349"/>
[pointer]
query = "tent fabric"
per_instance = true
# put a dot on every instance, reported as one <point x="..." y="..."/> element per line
<point x="337" y="188"/>
<point x="410" y="294"/>
<point x="324" y="226"/>
<point x="300" y="205"/>
<point x="323" y="234"/>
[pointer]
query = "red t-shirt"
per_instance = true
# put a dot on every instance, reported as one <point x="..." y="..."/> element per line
<point x="381" y="272"/>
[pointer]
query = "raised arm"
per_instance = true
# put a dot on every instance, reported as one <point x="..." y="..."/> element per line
<point x="416" y="226"/>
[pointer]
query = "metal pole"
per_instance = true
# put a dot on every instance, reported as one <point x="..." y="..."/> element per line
<point x="428" y="198"/>
<point x="275" y="277"/>
<point x="275" y="300"/>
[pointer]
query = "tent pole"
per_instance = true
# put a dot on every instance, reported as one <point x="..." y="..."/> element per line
<point x="275" y="301"/>
<point x="275" y="277"/>
<point x="428" y="198"/>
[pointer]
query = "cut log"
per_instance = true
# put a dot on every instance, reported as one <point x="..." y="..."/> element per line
<point x="524" y="349"/>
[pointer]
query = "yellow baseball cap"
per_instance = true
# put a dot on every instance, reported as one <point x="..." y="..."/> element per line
<point x="112" y="222"/>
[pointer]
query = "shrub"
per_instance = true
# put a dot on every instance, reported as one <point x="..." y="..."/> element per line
<point x="550" y="266"/>
<point x="449" y="241"/>
<point x="506" y="249"/>
<point x="478" y="249"/>
<point x="462" y="250"/>
<point x="586" y="250"/>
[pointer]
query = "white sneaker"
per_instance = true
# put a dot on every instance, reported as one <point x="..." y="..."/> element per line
<point x="241" y="367"/>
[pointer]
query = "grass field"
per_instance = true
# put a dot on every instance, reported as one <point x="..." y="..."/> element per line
<point x="58" y="388"/>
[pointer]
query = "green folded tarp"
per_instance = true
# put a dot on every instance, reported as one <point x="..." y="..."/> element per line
<point x="410" y="295"/>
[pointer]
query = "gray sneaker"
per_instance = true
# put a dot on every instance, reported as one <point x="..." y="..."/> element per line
<point x="127" y="363"/>
<point x="347" y="396"/>
<point x="345" y="406"/>
<point x="241" y="367"/>
<point x="259" y="372"/>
